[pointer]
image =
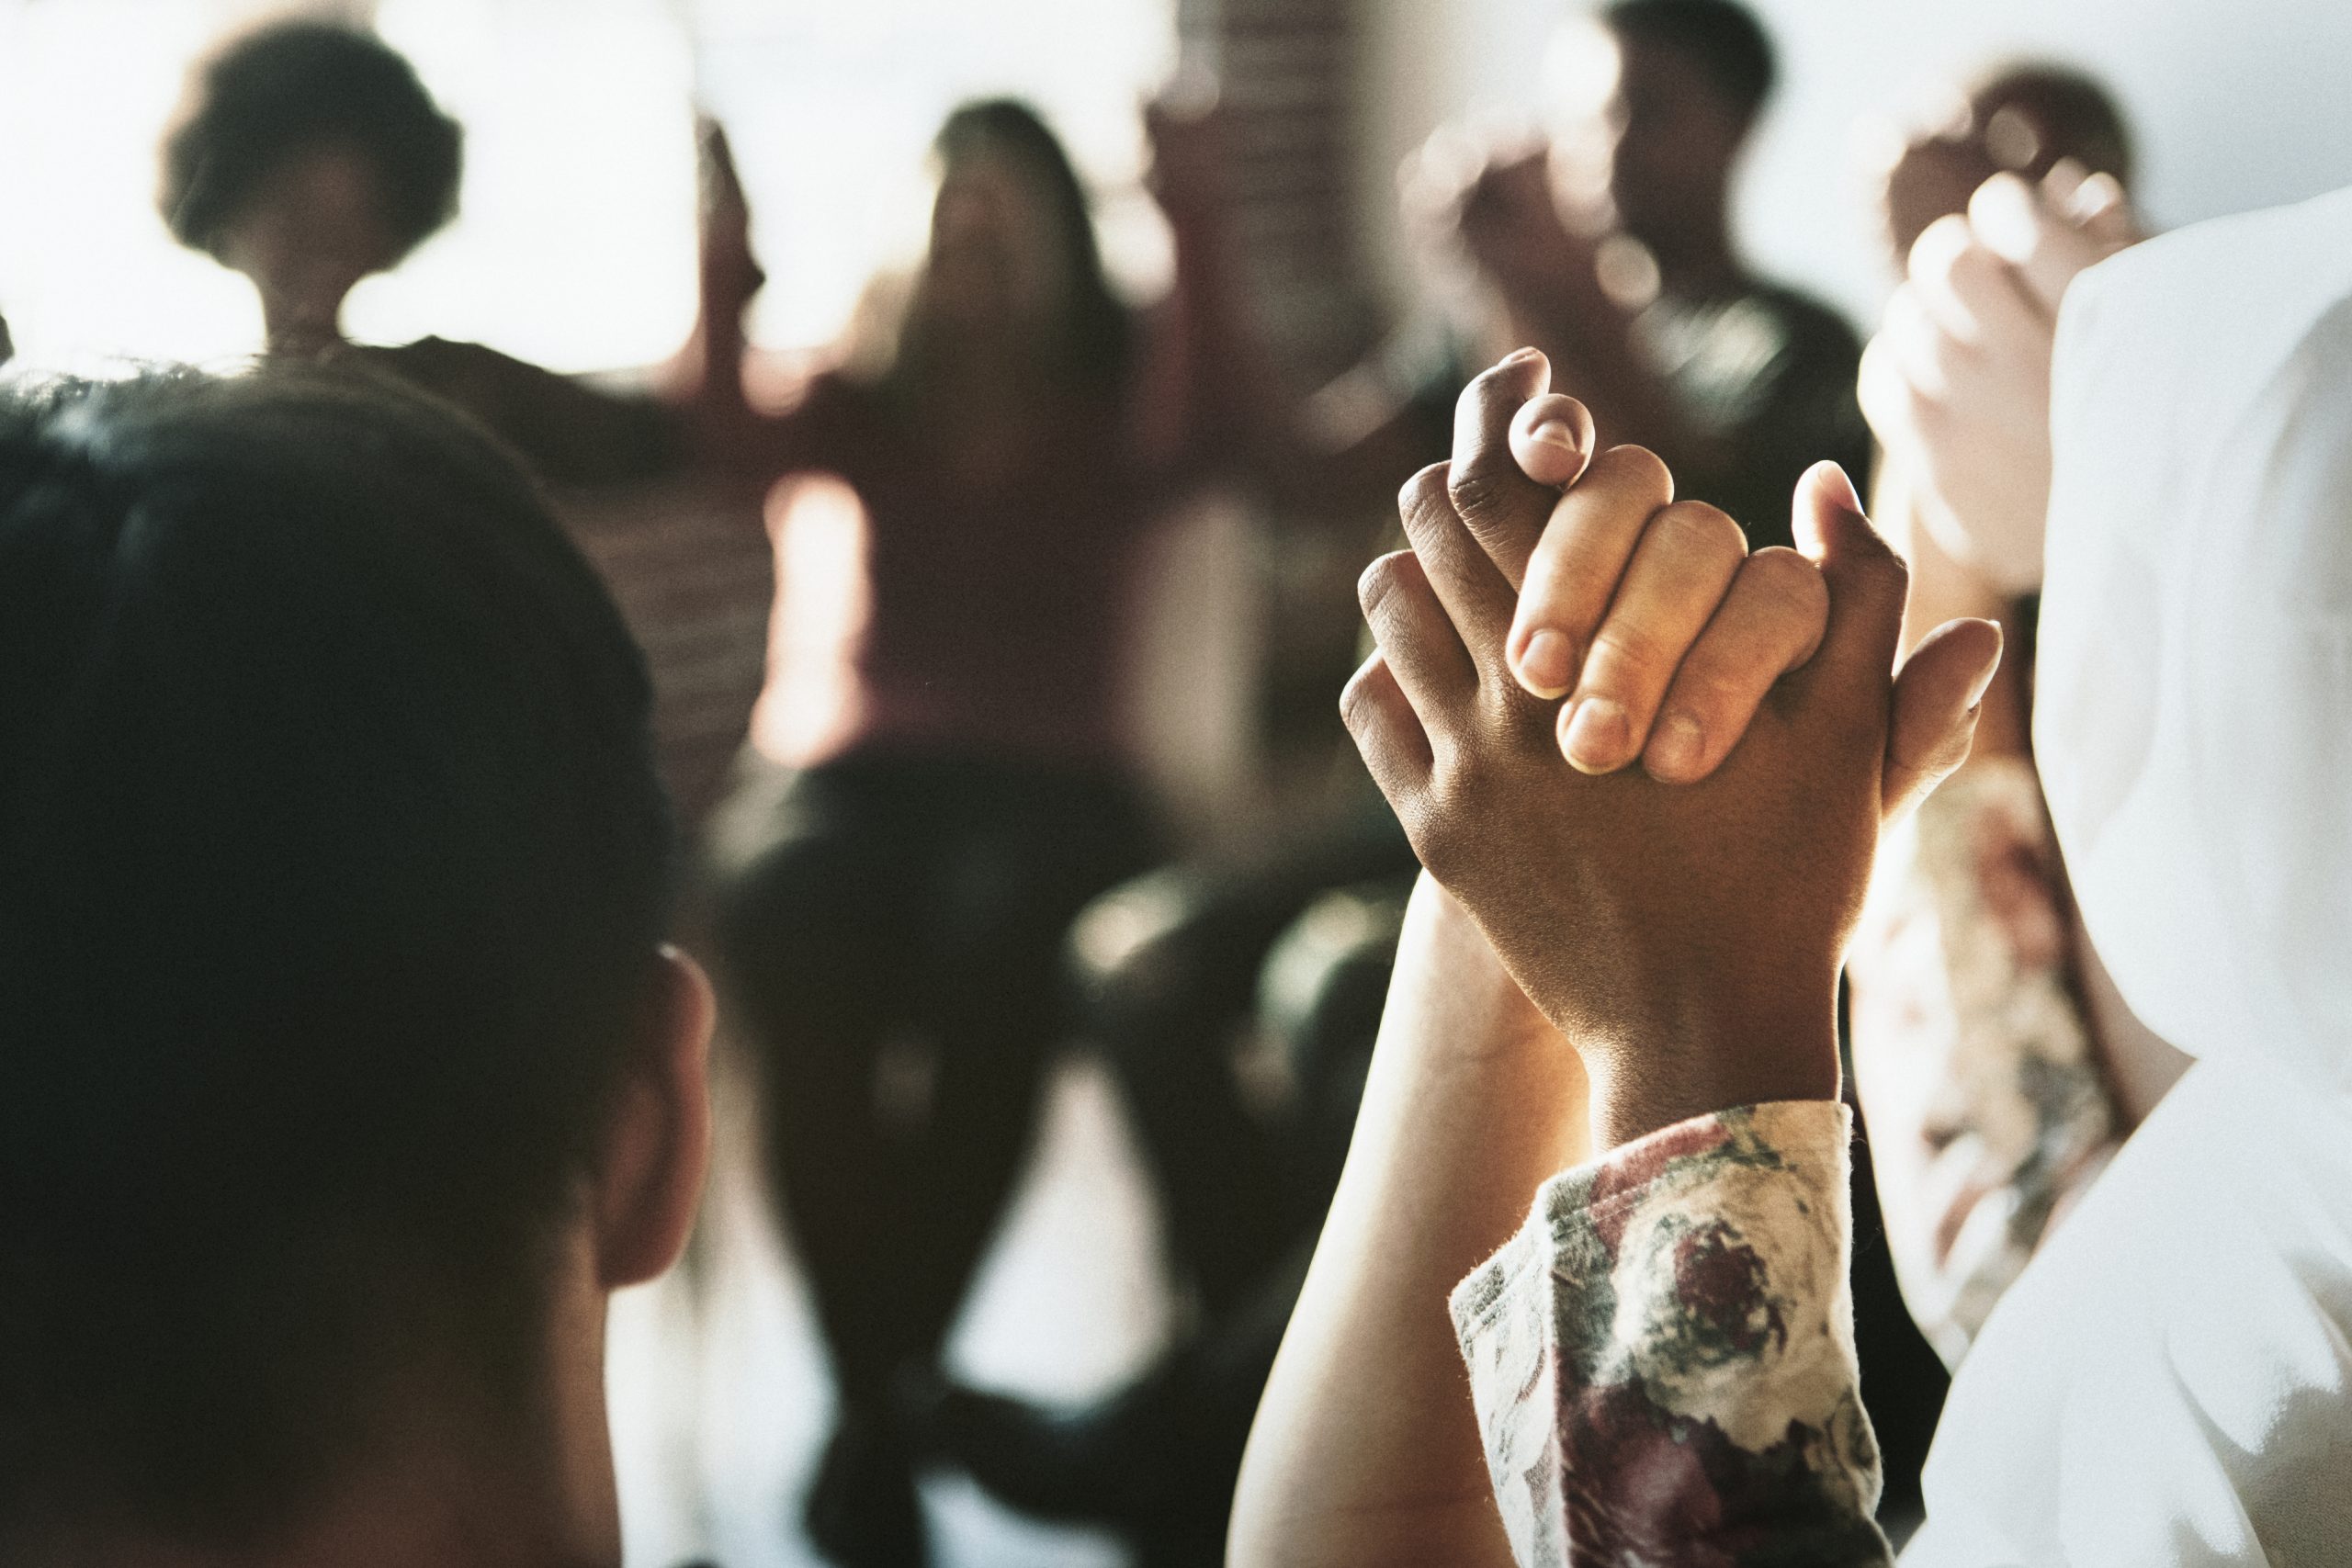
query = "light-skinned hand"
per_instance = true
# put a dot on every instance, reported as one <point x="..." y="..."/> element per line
<point x="1686" y="938"/>
<point x="1956" y="384"/>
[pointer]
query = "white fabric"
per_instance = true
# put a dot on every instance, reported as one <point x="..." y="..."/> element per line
<point x="2171" y="1380"/>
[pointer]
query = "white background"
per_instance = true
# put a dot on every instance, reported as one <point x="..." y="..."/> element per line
<point x="2238" y="103"/>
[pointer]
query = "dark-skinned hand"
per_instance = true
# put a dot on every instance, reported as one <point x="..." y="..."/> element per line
<point x="1685" y="935"/>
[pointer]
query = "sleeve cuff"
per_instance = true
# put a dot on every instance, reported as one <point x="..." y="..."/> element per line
<point x="1668" y="1341"/>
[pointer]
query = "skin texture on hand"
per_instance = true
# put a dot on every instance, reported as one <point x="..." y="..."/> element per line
<point x="1685" y="938"/>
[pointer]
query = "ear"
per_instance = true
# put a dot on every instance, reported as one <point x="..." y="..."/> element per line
<point x="657" y="1143"/>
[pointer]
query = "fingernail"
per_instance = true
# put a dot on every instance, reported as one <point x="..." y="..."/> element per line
<point x="1547" y="664"/>
<point x="1595" y="735"/>
<point x="1838" y="486"/>
<point x="1983" y="683"/>
<point x="1519" y="355"/>
<point x="1557" y="433"/>
<point x="1677" y="747"/>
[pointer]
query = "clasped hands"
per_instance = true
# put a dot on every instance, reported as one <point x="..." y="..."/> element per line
<point x="1650" y="767"/>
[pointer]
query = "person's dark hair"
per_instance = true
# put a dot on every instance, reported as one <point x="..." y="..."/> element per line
<point x="1722" y="38"/>
<point x="332" y="871"/>
<point x="1099" y="328"/>
<point x="2062" y="113"/>
<point x="288" y="89"/>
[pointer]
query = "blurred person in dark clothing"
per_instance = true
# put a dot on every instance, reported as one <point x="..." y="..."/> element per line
<point x="1608" y="244"/>
<point x="937" y="782"/>
<point x="344" y="1071"/>
<point x="307" y="156"/>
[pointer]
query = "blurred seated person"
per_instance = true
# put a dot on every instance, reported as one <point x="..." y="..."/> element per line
<point x="1609" y="246"/>
<point x="307" y="156"/>
<point x="1637" y="292"/>
<point x="1245" y="1161"/>
<point x="937" y="782"/>
<point x="344" y="1072"/>
<point x="1995" y="1065"/>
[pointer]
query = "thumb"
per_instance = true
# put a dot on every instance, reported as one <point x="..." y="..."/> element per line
<point x="1867" y="584"/>
<point x="1934" y="720"/>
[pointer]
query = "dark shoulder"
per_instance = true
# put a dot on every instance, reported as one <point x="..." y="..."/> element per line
<point x="824" y="416"/>
<point x="572" y="430"/>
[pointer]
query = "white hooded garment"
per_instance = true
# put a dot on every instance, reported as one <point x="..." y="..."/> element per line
<point x="2170" y="1382"/>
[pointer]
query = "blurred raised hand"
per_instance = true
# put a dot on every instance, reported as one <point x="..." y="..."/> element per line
<point x="730" y="272"/>
<point x="1956" y="384"/>
<point x="1189" y="132"/>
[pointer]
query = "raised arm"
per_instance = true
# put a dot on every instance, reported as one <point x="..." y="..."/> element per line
<point x="1366" y="1451"/>
<point x="703" y="381"/>
<point x="1995" y="1074"/>
<point x="1688" y="1287"/>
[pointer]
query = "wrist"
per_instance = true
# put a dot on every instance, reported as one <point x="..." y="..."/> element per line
<point x="1700" y="1067"/>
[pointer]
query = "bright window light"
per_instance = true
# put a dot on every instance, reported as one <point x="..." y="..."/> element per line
<point x="574" y="243"/>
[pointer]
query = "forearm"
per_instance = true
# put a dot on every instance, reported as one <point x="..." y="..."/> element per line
<point x="1974" y="1061"/>
<point x="1366" y="1451"/>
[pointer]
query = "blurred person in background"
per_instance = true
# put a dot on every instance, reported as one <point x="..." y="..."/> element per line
<point x="343" y="1070"/>
<point x="1284" y="956"/>
<point x="307" y="156"/>
<point x="938" y="784"/>
<point x="1608" y="244"/>
<point x="1997" y="1067"/>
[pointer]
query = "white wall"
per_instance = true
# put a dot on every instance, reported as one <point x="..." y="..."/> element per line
<point x="2238" y="103"/>
<point x="574" y="241"/>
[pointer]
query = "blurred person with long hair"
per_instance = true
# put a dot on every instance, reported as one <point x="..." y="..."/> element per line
<point x="937" y="782"/>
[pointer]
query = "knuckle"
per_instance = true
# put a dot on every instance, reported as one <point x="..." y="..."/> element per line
<point x="1893" y="571"/>
<point x="1491" y="384"/>
<point x="1785" y="576"/>
<point x="1695" y="528"/>
<point x="1638" y="470"/>
<point x="1717" y="690"/>
<point x="1626" y="657"/>
<point x="1474" y="491"/>
<point x="1424" y="490"/>
<point x="1380" y="581"/>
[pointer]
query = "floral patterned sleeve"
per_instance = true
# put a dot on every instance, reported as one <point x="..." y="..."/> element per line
<point x="1663" y="1359"/>
<point x="1975" y="1067"/>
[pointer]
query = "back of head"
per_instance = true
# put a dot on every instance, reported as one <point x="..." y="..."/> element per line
<point x="293" y="87"/>
<point x="1721" y="36"/>
<point x="333" y="866"/>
